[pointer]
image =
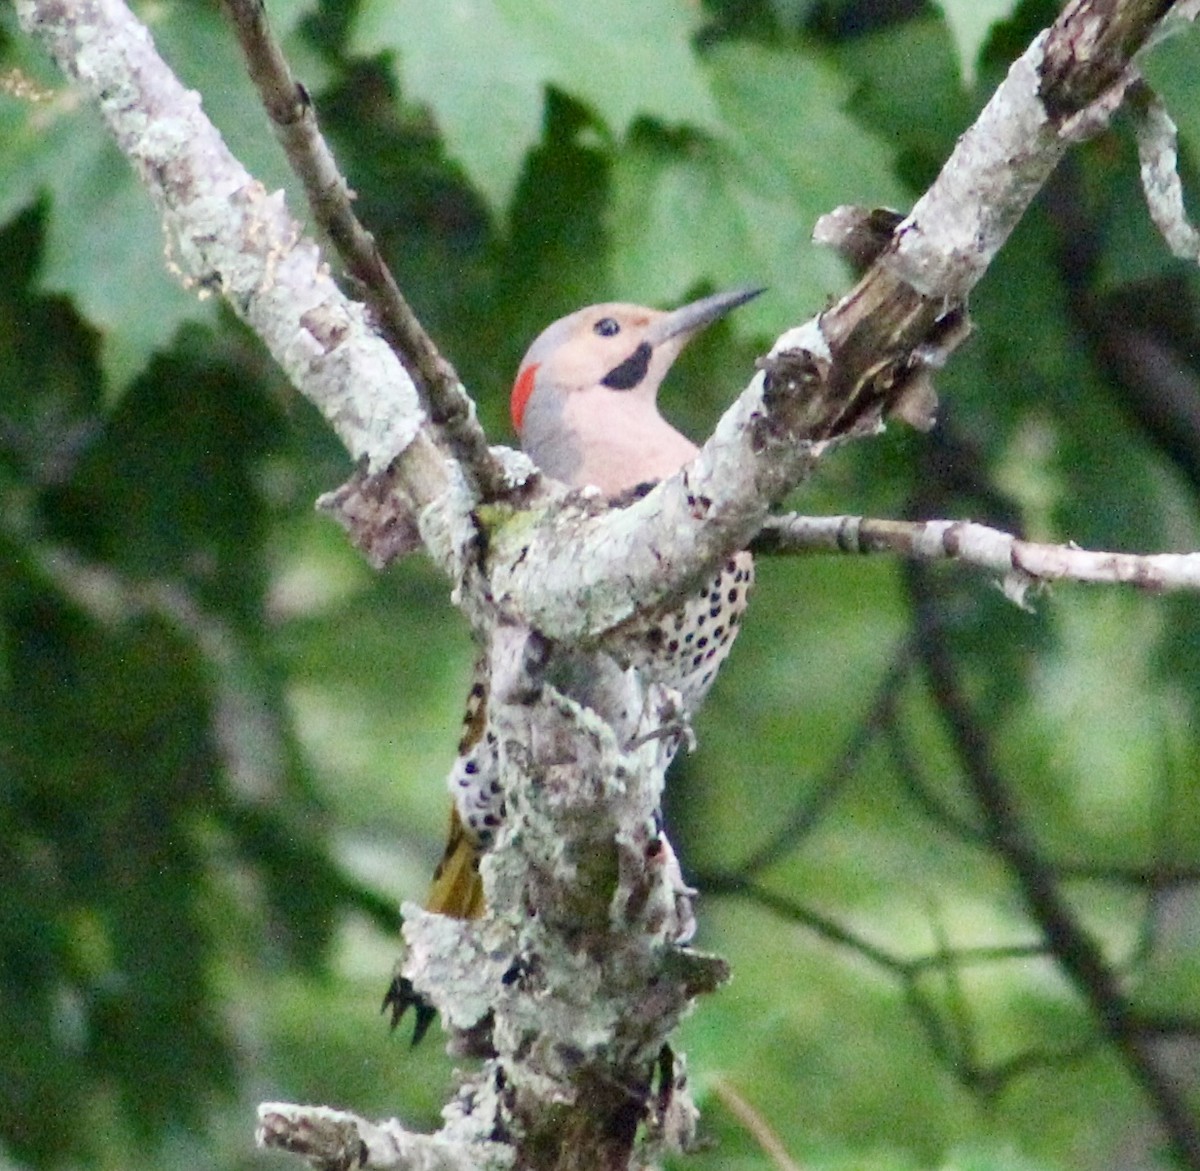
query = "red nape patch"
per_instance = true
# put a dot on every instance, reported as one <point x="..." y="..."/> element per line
<point x="522" y="389"/>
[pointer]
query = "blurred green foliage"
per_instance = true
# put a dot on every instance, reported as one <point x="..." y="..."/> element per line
<point x="222" y="735"/>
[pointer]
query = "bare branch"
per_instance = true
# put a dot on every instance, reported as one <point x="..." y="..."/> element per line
<point x="1020" y="564"/>
<point x="806" y="815"/>
<point x="1090" y="48"/>
<point x="755" y="1124"/>
<point x="582" y="573"/>
<point x="881" y="723"/>
<point x="334" y="1140"/>
<point x="908" y="773"/>
<point x="291" y="111"/>
<point x="949" y="1039"/>
<point x="227" y="234"/>
<point x="579" y="971"/>
<point x="1157" y="140"/>
<point x="1164" y="1026"/>
<point x="1153" y="876"/>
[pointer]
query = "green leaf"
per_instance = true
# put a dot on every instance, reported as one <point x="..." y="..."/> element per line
<point x="104" y="249"/>
<point x="908" y="90"/>
<point x="688" y="211"/>
<point x="125" y="949"/>
<point x="482" y="84"/>
<point x="286" y="15"/>
<point x="482" y="67"/>
<point x="104" y="244"/>
<point x="625" y="59"/>
<point x="970" y="23"/>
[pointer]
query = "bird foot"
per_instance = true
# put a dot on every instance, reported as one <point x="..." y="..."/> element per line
<point x="400" y="997"/>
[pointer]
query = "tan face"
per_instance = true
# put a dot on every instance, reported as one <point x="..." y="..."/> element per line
<point x="584" y="401"/>
<point x="604" y="339"/>
<point x="622" y="347"/>
<point x="599" y="343"/>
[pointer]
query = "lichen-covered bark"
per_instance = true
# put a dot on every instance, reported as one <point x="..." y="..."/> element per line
<point x="576" y="978"/>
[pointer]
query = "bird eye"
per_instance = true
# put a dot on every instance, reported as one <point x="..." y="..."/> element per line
<point x="606" y="327"/>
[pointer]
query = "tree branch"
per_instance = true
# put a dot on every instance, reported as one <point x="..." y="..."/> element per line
<point x="759" y="1129"/>
<point x="1021" y="565"/>
<point x="226" y="234"/>
<point x="335" y="1140"/>
<point x="950" y="1041"/>
<point x="806" y="815"/>
<point x="294" y="118"/>
<point x="579" y="972"/>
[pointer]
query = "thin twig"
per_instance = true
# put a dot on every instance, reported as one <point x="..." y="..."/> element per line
<point x="755" y="1124"/>
<point x="1156" y="876"/>
<point x="946" y="1040"/>
<point x="1020" y="564"/>
<point x="1152" y="876"/>
<point x="989" y="1081"/>
<point x="1073" y="948"/>
<point x="291" y="111"/>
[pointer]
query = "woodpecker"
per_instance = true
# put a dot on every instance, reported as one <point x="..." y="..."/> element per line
<point x="585" y="405"/>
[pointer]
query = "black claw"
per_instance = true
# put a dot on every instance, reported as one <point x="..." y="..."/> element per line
<point x="400" y="997"/>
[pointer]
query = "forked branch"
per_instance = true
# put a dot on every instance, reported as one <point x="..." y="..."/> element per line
<point x="565" y="989"/>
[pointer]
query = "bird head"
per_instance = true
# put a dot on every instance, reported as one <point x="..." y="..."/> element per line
<point x="585" y="398"/>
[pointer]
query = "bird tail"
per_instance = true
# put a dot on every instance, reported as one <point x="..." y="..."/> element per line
<point x="457" y="889"/>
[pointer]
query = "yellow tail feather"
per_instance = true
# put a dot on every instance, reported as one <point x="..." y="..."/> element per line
<point x="457" y="889"/>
